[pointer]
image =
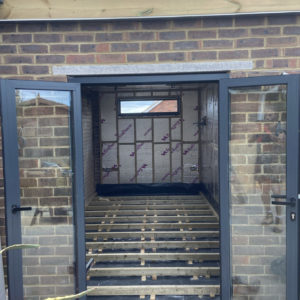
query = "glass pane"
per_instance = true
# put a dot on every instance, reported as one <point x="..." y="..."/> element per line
<point x="257" y="171"/>
<point x="150" y="106"/>
<point x="43" y="119"/>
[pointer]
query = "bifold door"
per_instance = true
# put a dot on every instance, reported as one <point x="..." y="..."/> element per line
<point x="42" y="155"/>
<point x="259" y="163"/>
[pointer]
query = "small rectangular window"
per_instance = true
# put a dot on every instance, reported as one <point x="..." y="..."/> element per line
<point x="149" y="106"/>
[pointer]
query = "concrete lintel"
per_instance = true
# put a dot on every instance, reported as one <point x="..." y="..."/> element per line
<point x="203" y="67"/>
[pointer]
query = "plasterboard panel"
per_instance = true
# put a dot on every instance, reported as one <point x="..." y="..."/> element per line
<point x="126" y="131"/>
<point x="190" y="163"/>
<point x="143" y="129"/>
<point x="161" y="130"/>
<point x="108" y="117"/>
<point x="162" y="163"/>
<point x="127" y="163"/>
<point x="144" y="164"/>
<point x="190" y="115"/>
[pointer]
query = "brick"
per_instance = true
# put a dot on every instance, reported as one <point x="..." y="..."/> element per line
<point x="50" y="59"/>
<point x="237" y="54"/>
<point x="280" y="63"/>
<point x="93" y="26"/>
<point x="28" y="163"/>
<point x="28" y="182"/>
<point x="124" y="47"/>
<point x="54" y="141"/>
<point x="80" y="59"/>
<point x="286" y="41"/>
<point x="204" y="55"/>
<point x="249" y="20"/>
<point x="47" y="38"/>
<point x="281" y="19"/>
<point x="186" y="45"/>
<point x="8" y="27"/>
<point x="124" y="25"/>
<point x="275" y="169"/>
<point x="54" y="201"/>
<point x="244" y="107"/>
<point x="35" y="69"/>
<point x="250" y="43"/>
<point x="32" y="27"/>
<point x="53" y="122"/>
<point x="75" y="37"/>
<point x="188" y="23"/>
<point x="18" y="59"/>
<point x="110" y="58"/>
<point x="294" y="30"/>
<point x="232" y="33"/>
<point x="34" y="49"/>
<point x="17" y="38"/>
<point x="62" y="152"/>
<point x="87" y="48"/>
<point x="218" y="22"/>
<point x="38" y="192"/>
<point x="155" y="25"/>
<point x="55" y="280"/>
<point x="238" y="118"/>
<point x="202" y="34"/>
<point x="8" y="49"/>
<point x="63" y="48"/>
<point x="109" y="37"/>
<point x="292" y="52"/>
<point x="174" y="56"/>
<point x="218" y="44"/>
<point x="264" y="53"/>
<point x="143" y="57"/>
<point x="38" y="152"/>
<point x="8" y="70"/>
<point x="265" y="31"/>
<point x="63" y="26"/>
<point x="62" y="110"/>
<point x="156" y="46"/>
<point x="172" y="35"/>
<point x="38" y="111"/>
<point x="61" y="131"/>
<point x="62" y="192"/>
<point x="141" y="36"/>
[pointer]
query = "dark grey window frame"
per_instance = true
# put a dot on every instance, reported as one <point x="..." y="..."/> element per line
<point x="293" y="126"/>
<point x="11" y="179"/>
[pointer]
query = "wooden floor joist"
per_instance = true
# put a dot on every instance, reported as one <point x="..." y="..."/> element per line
<point x="152" y="234"/>
<point x="145" y="226"/>
<point x="164" y="212"/>
<point x="200" y="290"/>
<point x="126" y="219"/>
<point x="154" y="257"/>
<point x="154" y="244"/>
<point x="153" y="238"/>
<point x="158" y="271"/>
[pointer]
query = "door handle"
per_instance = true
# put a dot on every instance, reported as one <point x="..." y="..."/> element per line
<point x="291" y="202"/>
<point x="16" y="208"/>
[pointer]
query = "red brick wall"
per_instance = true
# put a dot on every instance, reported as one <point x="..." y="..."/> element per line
<point x="29" y="50"/>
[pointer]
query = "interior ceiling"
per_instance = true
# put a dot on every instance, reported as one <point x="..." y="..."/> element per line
<point x="89" y="9"/>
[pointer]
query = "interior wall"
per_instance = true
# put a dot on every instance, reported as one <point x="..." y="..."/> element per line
<point x="209" y="140"/>
<point x="157" y="149"/>
<point x="88" y="147"/>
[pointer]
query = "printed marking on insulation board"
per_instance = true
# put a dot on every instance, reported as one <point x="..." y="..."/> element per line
<point x="107" y="149"/>
<point x="171" y="150"/>
<point x="189" y="149"/>
<point x="148" y="131"/>
<point x="123" y="132"/>
<point x="144" y="166"/>
<point x="172" y="174"/>
<point x="173" y="127"/>
<point x="138" y="147"/>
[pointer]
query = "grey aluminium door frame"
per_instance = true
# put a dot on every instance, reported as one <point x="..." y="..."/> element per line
<point x="292" y="82"/>
<point x="11" y="178"/>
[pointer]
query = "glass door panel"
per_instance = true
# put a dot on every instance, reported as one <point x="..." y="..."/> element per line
<point x="257" y="166"/>
<point x="44" y="144"/>
<point x="259" y="172"/>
